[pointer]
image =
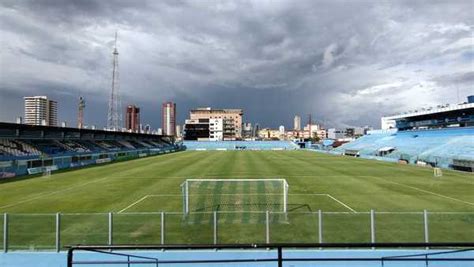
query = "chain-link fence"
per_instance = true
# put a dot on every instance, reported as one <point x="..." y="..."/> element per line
<point x="54" y="231"/>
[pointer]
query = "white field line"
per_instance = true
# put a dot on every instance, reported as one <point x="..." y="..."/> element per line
<point x="179" y="195"/>
<point x="236" y="194"/>
<point x="242" y="176"/>
<point x="342" y="203"/>
<point x="426" y="191"/>
<point x="51" y="193"/>
<point x="133" y="204"/>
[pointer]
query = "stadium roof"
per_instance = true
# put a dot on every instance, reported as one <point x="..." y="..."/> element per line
<point x="428" y="111"/>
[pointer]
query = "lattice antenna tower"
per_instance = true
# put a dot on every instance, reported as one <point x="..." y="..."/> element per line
<point x="114" y="115"/>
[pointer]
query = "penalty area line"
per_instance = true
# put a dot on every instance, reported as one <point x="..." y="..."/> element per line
<point x="342" y="203"/>
<point x="133" y="204"/>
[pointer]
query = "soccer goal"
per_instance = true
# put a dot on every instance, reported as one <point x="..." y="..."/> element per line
<point x="47" y="172"/>
<point x="204" y="195"/>
<point x="437" y="172"/>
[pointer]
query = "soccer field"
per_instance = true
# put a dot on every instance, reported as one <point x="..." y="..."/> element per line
<point x="344" y="189"/>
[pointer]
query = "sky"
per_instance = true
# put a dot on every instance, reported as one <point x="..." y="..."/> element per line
<point x="345" y="62"/>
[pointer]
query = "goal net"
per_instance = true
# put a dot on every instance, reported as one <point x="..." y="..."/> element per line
<point x="437" y="172"/>
<point x="201" y="195"/>
<point x="47" y="172"/>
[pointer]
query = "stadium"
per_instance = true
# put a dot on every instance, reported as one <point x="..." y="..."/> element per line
<point x="65" y="187"/>
<point x="236" y="133"/>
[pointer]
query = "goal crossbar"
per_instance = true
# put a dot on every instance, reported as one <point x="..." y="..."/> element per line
<point x="234" y="180"/>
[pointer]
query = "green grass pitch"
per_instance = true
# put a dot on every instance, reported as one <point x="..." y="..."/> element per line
<point x="344" y="189"/>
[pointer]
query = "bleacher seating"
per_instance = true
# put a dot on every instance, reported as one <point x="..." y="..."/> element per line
<point x="126" y="144"/>
<point x="31" y="149"/>
<point x="240" y="145"/>
<point x="438" y="147"/>
<point x="17" y="148"/>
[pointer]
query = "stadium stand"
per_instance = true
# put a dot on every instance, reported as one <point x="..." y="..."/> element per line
<point x="446" y="148"/>
<point x="17" y="148"/>
<point x="240" y="145"/>
<point x="26" y="149"/>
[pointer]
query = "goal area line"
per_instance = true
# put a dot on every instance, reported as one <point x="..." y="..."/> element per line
<point x="249" y="194"/>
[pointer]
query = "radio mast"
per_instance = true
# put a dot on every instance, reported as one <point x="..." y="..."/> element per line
<point x="114" y="115"/>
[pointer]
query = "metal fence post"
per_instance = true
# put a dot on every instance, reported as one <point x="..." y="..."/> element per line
<point x="372" y="227"/>
<point x="162" y="228"/>
<point x="320" y="226"/>
<point x="215" y="228"/>
<point x="58" y="232"/>
<point x="267" y="217"/>
<point x="425" y="221"/>
<point x="110" y="228"/>
<point x="5" y="232"/>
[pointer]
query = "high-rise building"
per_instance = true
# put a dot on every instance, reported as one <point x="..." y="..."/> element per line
<point x="39" y="110"/>
<point x="232" y="120"/>
<point x="179" y="131"/>
<point x="132" y="118"/>
<point x="168" y="119"/>
<point x="80" y="115"/>
<point x="297" y="123"/>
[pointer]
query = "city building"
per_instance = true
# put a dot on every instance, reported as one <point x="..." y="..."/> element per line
<point x="269" y="134"/>
<point x="247" y="131"/>
<point x="232" y="120"/>
<point x="281" y="129"/>
<point x="297" y="123"/>
<point x="132" y="119"/>
<point x="204" y="129"/>
<point x="39" y="110"/>
<point x="255" y="130"/>
<point x="314" y="130"/>
<point x="335" y="134"/>
<point x="168" y="120"/>
<point x="179" y="131"/>
<point x="216" y="129"/>
<point x="196" y="130"/>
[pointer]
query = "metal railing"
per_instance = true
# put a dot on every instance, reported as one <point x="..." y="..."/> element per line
<point x="53" y="231"/>
<point x="273" y="253"/>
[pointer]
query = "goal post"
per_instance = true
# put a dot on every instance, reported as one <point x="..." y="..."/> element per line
<point x="205" y="195"/>
<point x="47" y="172"/>
<point x="437" y="172"/>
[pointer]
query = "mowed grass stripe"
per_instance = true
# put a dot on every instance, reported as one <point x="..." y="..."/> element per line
<point x="121" y="183"/>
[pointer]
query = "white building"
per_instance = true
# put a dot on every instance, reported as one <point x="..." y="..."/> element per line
<point x="41" y="111"/>
<point x="297" y="123"/>
<point x="281" y="129"/>
<point x="216" y="129"/>
<point x="335" y="134"/>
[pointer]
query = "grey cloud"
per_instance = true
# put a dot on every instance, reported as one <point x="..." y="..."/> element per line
<point x="273" y="58"/>
<point x="456" y="78"/>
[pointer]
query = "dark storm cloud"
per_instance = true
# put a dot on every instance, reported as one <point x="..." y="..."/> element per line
<point x="345" y="62"/>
